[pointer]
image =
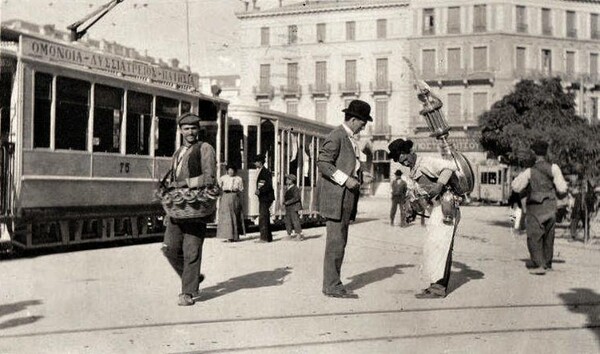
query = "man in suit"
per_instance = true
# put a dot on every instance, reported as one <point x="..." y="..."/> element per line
<point x="339" y="189"/>
<point x="399" y="190"/>
<point x="194" y="165"/>
<point x="266" y="196"/>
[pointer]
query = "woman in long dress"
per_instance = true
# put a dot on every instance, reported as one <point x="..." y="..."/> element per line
<point x="230" y="224"/>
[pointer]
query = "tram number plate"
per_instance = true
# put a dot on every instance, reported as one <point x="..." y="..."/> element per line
<point x="124" y="167"/>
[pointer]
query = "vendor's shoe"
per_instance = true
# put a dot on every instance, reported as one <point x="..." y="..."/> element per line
<point x="185" y="300"/>
<point x="537" y="271"/>
<point x="430" y="294"/>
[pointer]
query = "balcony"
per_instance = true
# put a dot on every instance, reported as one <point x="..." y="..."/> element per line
<point x="319" y="90"/>
<point x="481" y="75"/>
<point x="522" y="27"/>
<point x="349" y="89"/>
<point x="428" y="31"/>
<point x="291" y="91"/>
<point x="263" y="92"/>
<point x="380" y="131"/>
<point x="381" y="88"/>
<point x="572" y="33"/>
<point x="480" y="28"/>
<point x="547" y="30"/>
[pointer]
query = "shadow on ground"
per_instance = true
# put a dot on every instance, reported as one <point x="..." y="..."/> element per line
<point x="363" y="279"/>
<point x="464" y="275"/>
<point x="248" y="281"/>
<point x="586" y="302"/>
<point x="8" y="309"/>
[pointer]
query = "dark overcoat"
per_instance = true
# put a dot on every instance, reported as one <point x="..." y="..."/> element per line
<point x="336" y="153"/>
<point x="266" y="193"/>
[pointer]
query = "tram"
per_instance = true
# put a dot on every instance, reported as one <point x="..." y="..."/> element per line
<point x="85" y="135"/>
<point x="290" y="144"/>
<point x="492" y="183"/>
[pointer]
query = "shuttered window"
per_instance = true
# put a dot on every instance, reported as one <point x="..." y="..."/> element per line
<point x="292" y="77"/>
<point x="479" y="18"/>
<point x="321" y="32"/>
<point x="321" y="75"/>
<point x="350" y="30"/>
<point x="454" y="107"/>
<point x="546" y="22"/>
<point x="480" y="102"/>
<point x="428" y="61"/>
<point x="292" y="107"/>
<point x="454" y="60"/>
<point x="381" y="28"/>
<point x="570" y="62"/>
<point x="264" y="36"/>
<point x="292" y="34"/>
<point x="454" y="19"/>
<point x="594" y="63"/>
<point x="480" y="58"/>
<point x="321" y="111"/>
<point x="382" y="72"/>
<point x="350" y="73"/>
<point x="521" y="57"/>
<point x="381" y="113"/>
<point x="265" y="76"/>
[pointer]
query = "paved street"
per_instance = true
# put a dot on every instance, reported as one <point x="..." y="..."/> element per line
<point x="267" y="298"/>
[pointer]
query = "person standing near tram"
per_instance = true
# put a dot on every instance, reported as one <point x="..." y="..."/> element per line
<point x="230" y="224"/>
<point x="194" y="165"/>
<point x="266" y="197"/>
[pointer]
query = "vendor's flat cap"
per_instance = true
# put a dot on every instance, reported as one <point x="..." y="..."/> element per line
<point x="539" y="147"/>
<point x="188" y="118"/>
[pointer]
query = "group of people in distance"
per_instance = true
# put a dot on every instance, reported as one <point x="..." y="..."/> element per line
<point x="427" y="177"/>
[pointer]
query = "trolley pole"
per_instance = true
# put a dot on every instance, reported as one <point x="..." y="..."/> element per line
<point x="187" y="32"/>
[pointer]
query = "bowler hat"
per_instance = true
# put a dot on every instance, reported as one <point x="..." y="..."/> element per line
<point x="291" y="177"/>
<point x="359" y="109"/>
<point x="188" y="118"/>
<point x="539" y="147"/>
<point x="398" y="173"/>
<point x="259" y="158"/>
<point x="399" y="146"/>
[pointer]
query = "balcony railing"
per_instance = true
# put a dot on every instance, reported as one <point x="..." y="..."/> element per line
<point x="480" y="28"/>
<point x="381" y="87"/>
<point x="572" y="33"/>
<point x="263" y="92"/>
<point x="291" y="91"/>
<point x="428" y="31"/>
<point x="349" y="89"/>
<point x="320" y="90"/>
<point x="547" y="30"/>
<point x="522" y="27"/>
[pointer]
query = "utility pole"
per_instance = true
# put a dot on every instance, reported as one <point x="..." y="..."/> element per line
<point x="187" y="20"/>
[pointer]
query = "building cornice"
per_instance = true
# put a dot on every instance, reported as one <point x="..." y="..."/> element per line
<point x="442" y="37"/>
<point x="320" y="8"/>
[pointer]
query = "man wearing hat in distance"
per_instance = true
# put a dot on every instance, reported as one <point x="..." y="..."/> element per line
<point x="266" y="196"/>
<point x="540" y="183"/>
<point x="431" y="174"/>
<point x="399" y="189"/>
<point x="339" y="189"/>
<point x="292" y="201"/>
<point x="194" y="165"/>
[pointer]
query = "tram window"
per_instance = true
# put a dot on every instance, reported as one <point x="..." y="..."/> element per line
<point x="267" y="141"/>
<point x="207" y="110"/>
<point x="252" y="144"/>
<point x="108" y="102"/>
<point x="484" y="179"/>
<point x="41" y="110"/>
<point x="72" y="113"/>
<point x="492" y="178"/>
<point x="139" y="121"/>
<point x="235" y="148"/>
<point x="166" y="110"/>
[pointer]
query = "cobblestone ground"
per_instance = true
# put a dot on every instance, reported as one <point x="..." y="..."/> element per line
<point x="266" y="298"/>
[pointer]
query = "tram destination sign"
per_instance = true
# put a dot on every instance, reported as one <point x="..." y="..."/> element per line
<point x="56" y="52"/>
<point x="463" y="144"/>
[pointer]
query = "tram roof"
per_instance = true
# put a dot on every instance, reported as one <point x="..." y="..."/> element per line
<point x="276" y="115"/>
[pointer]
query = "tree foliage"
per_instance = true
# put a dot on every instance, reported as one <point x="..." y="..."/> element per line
<point x="544" y="111"/>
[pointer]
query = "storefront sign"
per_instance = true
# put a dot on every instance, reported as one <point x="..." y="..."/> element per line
<point x="462" y="144"/>
<point x="56" y="52"/>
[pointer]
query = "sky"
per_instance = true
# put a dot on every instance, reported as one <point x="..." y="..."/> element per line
<point x="155" y="27"/>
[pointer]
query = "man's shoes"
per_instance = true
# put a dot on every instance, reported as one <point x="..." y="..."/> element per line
<point x="298" y="237"/>
<point x="430" y="293"/>
<point x="342" y="294"/>
<point x="537" y="271"/>
<point x="185" y="300"/>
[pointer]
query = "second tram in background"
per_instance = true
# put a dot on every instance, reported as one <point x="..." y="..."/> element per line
<point x="492" y="183"/>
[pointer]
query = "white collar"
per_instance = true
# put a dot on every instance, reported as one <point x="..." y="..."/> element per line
<point x="348" y="130"/>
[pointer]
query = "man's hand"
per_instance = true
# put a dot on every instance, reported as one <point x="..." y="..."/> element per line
<point x="352" y="183"/>
<point x="435" y="190"/>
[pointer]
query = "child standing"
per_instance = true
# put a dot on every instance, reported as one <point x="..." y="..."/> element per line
<point x="293" y="203"/>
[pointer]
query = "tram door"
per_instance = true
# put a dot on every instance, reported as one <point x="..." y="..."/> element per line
<point x="7" y="107"/>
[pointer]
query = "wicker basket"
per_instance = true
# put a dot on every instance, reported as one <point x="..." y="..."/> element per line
<point x="186" y="203"/>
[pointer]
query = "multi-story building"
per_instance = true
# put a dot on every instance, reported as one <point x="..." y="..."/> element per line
<point x="312" y="58"/>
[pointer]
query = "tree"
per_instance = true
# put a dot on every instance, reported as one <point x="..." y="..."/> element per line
<point x="544" y="111"/>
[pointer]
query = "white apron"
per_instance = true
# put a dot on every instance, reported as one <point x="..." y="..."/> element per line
<point x="437" y="243"/>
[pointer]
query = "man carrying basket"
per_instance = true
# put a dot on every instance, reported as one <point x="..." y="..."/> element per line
<point x="193" y="166"/>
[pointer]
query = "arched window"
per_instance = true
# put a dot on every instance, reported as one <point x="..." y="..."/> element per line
<point x="381" y="166"/>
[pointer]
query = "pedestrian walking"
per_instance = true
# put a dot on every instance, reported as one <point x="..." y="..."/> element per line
<point x="230" y="224"/>
<point x="339" y="188"/>
<point x="540" y="183"/>
<point x="399" y="190"/>
<point x="293" y="204"/>
<point x="266" y="196"/>
<point x="432" y="174"/>
<point x="193" y="165"/>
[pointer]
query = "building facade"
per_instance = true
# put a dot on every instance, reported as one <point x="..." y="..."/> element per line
<point x="312" y="58"/>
